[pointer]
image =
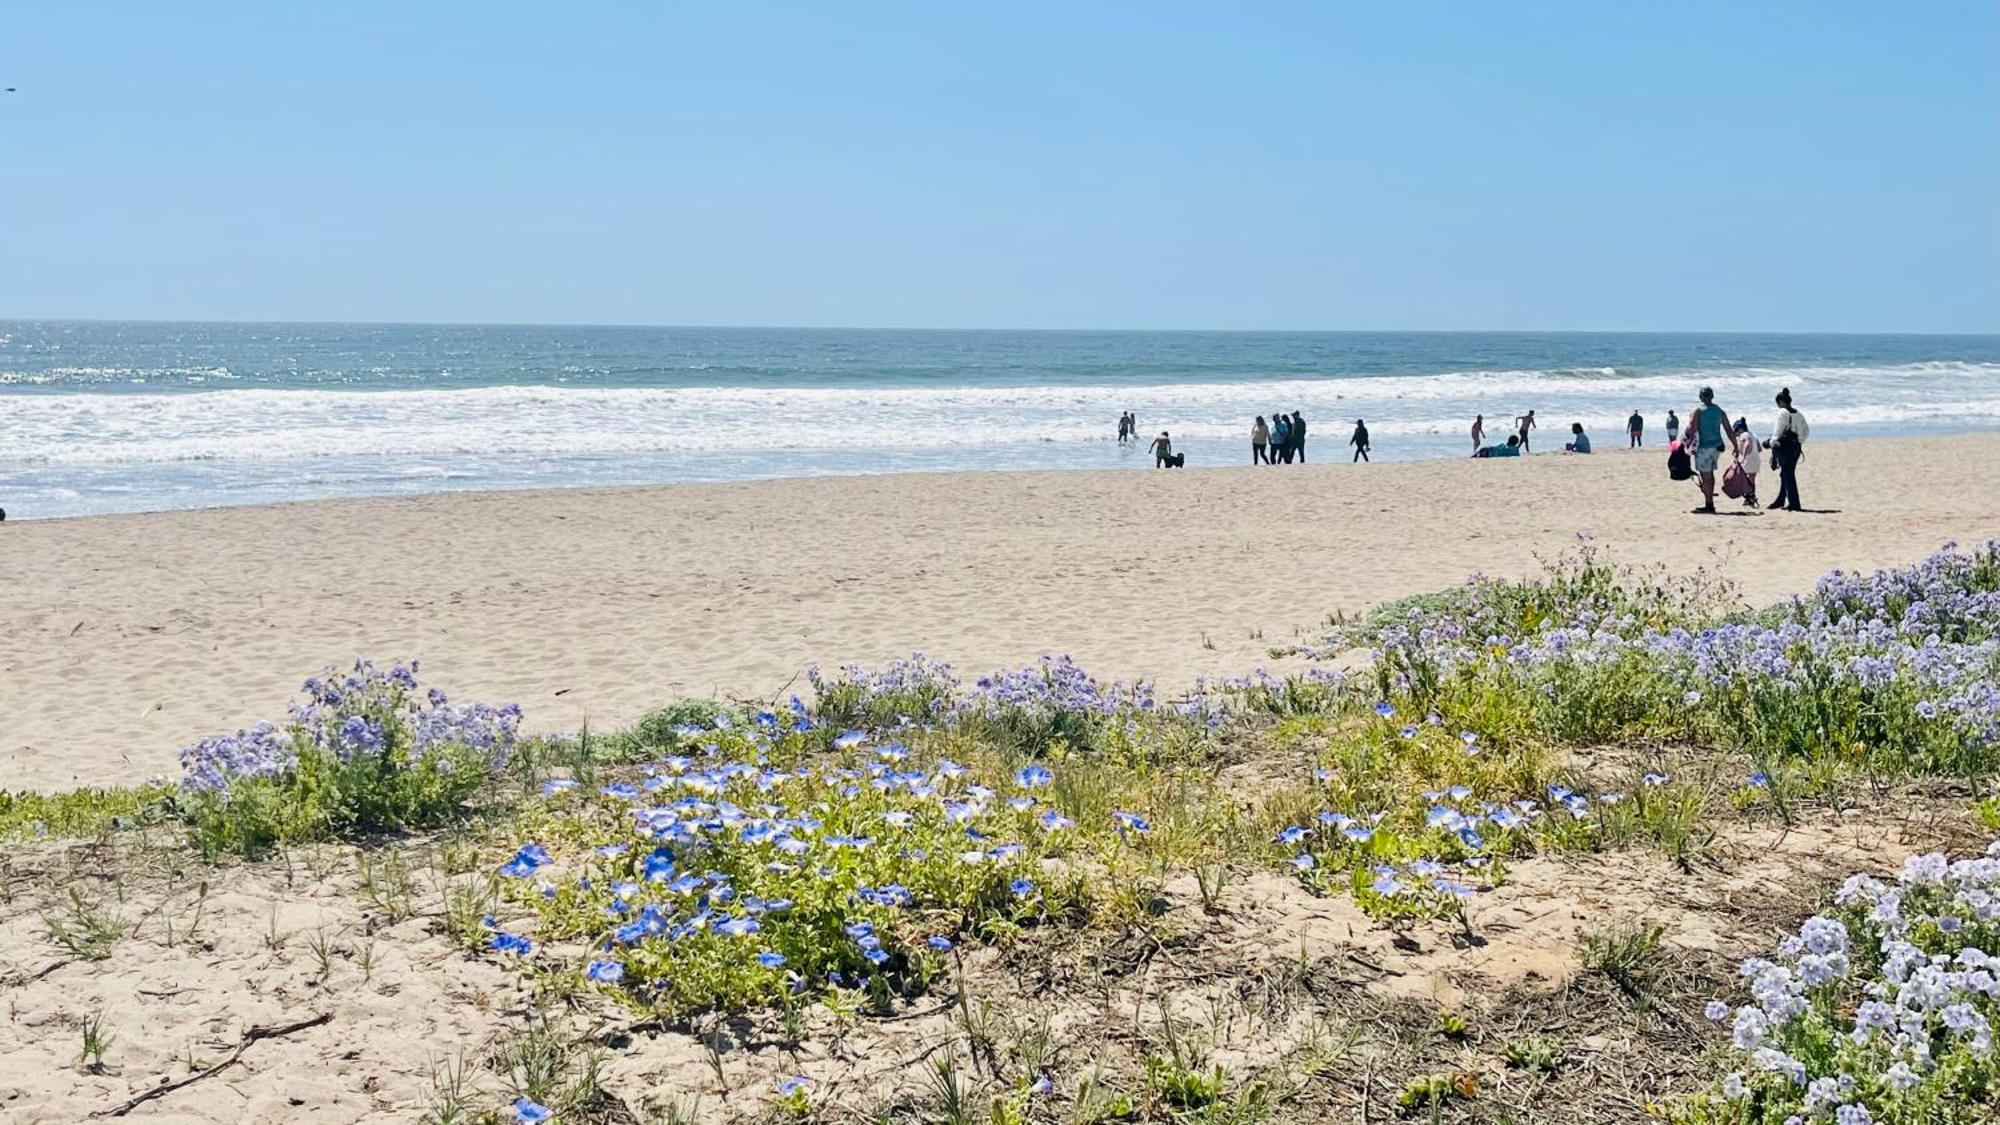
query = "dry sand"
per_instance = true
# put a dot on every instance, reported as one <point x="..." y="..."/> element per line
<point x="127" y="636"/>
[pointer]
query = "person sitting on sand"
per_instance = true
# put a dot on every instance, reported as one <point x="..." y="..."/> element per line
<point x="1635" y="429"/>
<point x="1162" y="450"/>
<point x="1359" y="441"/>
<point x="1705" y="430"/>
<point x="1511" y="449"/>
<point x="1260" y="441"/>
<point x="1579" y="442"/>
<point x="1478" y="431"/>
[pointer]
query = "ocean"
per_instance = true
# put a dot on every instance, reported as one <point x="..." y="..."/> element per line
<point x="100" y="417"/>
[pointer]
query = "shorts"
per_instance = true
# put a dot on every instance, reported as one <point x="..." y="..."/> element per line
<point x="1705" y="460"/>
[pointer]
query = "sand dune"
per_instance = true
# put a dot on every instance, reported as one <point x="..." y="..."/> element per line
<point x="126" y="636"/>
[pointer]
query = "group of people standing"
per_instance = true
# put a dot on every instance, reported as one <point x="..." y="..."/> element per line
<point x="1279" y="441"/>
<point x="1710" y="432"/>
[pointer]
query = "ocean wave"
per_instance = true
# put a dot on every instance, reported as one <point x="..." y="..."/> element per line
<point x="465" y="425"/>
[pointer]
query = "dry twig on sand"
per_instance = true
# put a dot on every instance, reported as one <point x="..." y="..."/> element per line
<point x="249" y="1037"/>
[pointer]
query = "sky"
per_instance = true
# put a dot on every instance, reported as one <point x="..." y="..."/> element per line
<point x="1810" y="166"/>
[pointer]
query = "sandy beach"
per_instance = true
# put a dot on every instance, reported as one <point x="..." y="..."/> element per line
<point x="127" y="636"/>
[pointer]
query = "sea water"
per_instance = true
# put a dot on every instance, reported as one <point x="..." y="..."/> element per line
<point x="121" y="417"/>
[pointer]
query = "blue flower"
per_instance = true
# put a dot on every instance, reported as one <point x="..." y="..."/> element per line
<point x="771" y="960"/>
<point x="605" y="972"/>
<point x="1302" y="861"/>
<point x="531" y="1112"/>
<point x="1383" y="709"/>
<point x="1022" y="888"/>
<point x="1130" y="822"/>
<point x="504" y="942"/>
<point x="793" y="1085"/>
<point x="941" y="944"/>
<point x="1033" y="777"/>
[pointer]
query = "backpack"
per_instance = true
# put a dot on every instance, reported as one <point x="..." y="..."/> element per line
<point x="1679" y="465"/>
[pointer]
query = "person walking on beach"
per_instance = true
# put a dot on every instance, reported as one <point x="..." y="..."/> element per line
<point x="1788" y="444"/>
<point x="1478" y="431"/>
<point x="1635" y="430"/>
<point x="1299" y="435"/>
<point x="1579" y="442"/>
<point x="1162" y="450"/>
<point x="1281" y="438"/>
<point x="1705" y="430"/>
<point x="1260" y="440"/>
<point x="1673" y="425"/>
<point x="1522" y="425"/>
<point x="1359" y="441"/>
<point x="1744" y="446"/>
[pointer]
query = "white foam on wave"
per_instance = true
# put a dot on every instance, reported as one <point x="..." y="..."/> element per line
<point x="466" y="425"/>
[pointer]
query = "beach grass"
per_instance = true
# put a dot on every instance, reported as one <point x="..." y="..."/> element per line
<point x="1006" y="865"/>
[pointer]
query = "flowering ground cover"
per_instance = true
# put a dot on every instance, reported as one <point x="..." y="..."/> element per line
<point x="1470" y="859"/>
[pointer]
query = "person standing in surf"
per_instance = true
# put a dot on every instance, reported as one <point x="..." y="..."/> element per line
<point x="1478" y="431"/>
<point x="1635" y="430"/>
<point x="1522" y="425"/>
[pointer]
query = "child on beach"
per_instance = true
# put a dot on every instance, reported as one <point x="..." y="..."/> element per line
<point x="1522" y="425"/>
<point x="1746" y="460"/>
<point x="1478" y="431"/>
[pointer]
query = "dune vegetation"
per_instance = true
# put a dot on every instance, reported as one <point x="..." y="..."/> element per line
<point x="1605" y="845"/>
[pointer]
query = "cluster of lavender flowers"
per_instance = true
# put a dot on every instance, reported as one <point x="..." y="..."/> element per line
<point x="915" y="690"/>
<point x="1880" y="1011"/>
<point x="1054" y="686"/>
<point x="1923" y="639"/>
<point x="1052" y="698"/>
<point x="364" y="711"/>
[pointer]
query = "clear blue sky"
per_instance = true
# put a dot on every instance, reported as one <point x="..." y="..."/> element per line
<point x="1725" y="166"/>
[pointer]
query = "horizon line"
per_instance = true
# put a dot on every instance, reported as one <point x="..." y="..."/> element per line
<point x="1994" y="332"/>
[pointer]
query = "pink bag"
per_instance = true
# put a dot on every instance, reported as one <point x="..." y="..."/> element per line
<point x="1735" y="482"/>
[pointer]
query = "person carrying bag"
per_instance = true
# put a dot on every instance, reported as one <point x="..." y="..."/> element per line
<point x="1787" y="446"/>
